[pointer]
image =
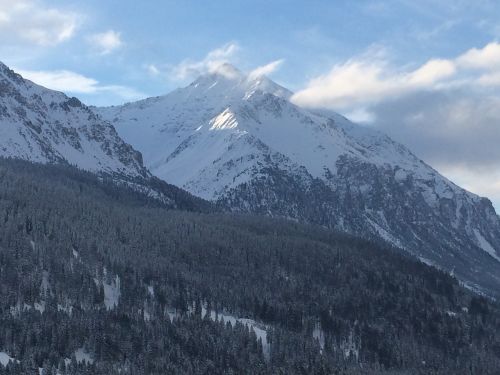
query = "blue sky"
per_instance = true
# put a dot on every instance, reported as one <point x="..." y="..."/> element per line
<point x="311" y="36"/>
<point x="426" y="72"/>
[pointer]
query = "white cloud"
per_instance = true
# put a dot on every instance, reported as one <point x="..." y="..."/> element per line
<point x="106" y="42"/>
<point x="489" y="79"/>
<point x="71" y="82"/>
<point x="361" y="116"/>
<point x="214" y="61"/>
<point x="431" y="72"/>
<point x="369" y="79"/>
<point x="30" y="21"/>
<point x="484" y="58"/>
<point x="265" y="69"/>
<point x="61" y="80"/>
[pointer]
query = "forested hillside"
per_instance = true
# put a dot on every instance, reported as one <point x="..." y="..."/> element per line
<point x="97" y="279"/>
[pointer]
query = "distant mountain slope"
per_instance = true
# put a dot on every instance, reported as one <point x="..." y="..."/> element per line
<point x="94" y="279"/>
<point x="240" y="142"/>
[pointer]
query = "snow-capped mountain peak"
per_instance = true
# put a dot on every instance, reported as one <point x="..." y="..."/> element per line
<point x="238" y="140"/>
<point x="225" y="70"/>
<point x="230" y="83"/>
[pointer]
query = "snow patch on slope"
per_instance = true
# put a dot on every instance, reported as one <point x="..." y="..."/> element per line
<point x="259" y="329"/>
<point x="5" y="359"/>
<point x="383" y="233"/>
<point x="485" y="245"/>
<point x="112" y="293"/>
<point x="82" y="356"/>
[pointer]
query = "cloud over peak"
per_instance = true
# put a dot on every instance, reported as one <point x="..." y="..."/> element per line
<point x="211" y="63"/>
<point x="217" y="61"/>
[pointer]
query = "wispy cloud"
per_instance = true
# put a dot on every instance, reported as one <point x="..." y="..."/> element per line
<point x="212" y="62"/>
<point x="266" y="69"/>
<point x="61" y="80"/>
<point x="106" y="42"/>
<point x="425" y="35"/>
<point x="72" y="82"/>
<point x="152" y="69"/>
<point x="32" y="22"/>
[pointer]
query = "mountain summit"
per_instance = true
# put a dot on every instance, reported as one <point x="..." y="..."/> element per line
<point x="239" y="141"/>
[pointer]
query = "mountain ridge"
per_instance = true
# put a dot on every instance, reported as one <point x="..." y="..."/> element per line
<point x="46" y="126"/>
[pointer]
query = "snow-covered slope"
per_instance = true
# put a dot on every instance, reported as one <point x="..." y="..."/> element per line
<point x="240" y="141"/>
<point x="44" y="126"/>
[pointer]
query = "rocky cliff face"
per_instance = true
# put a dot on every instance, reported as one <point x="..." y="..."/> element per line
<point x="240" y="142"/>
<point x="46" y="126"/>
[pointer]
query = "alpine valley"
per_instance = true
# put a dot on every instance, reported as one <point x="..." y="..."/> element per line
<point x="239" y="140"/>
